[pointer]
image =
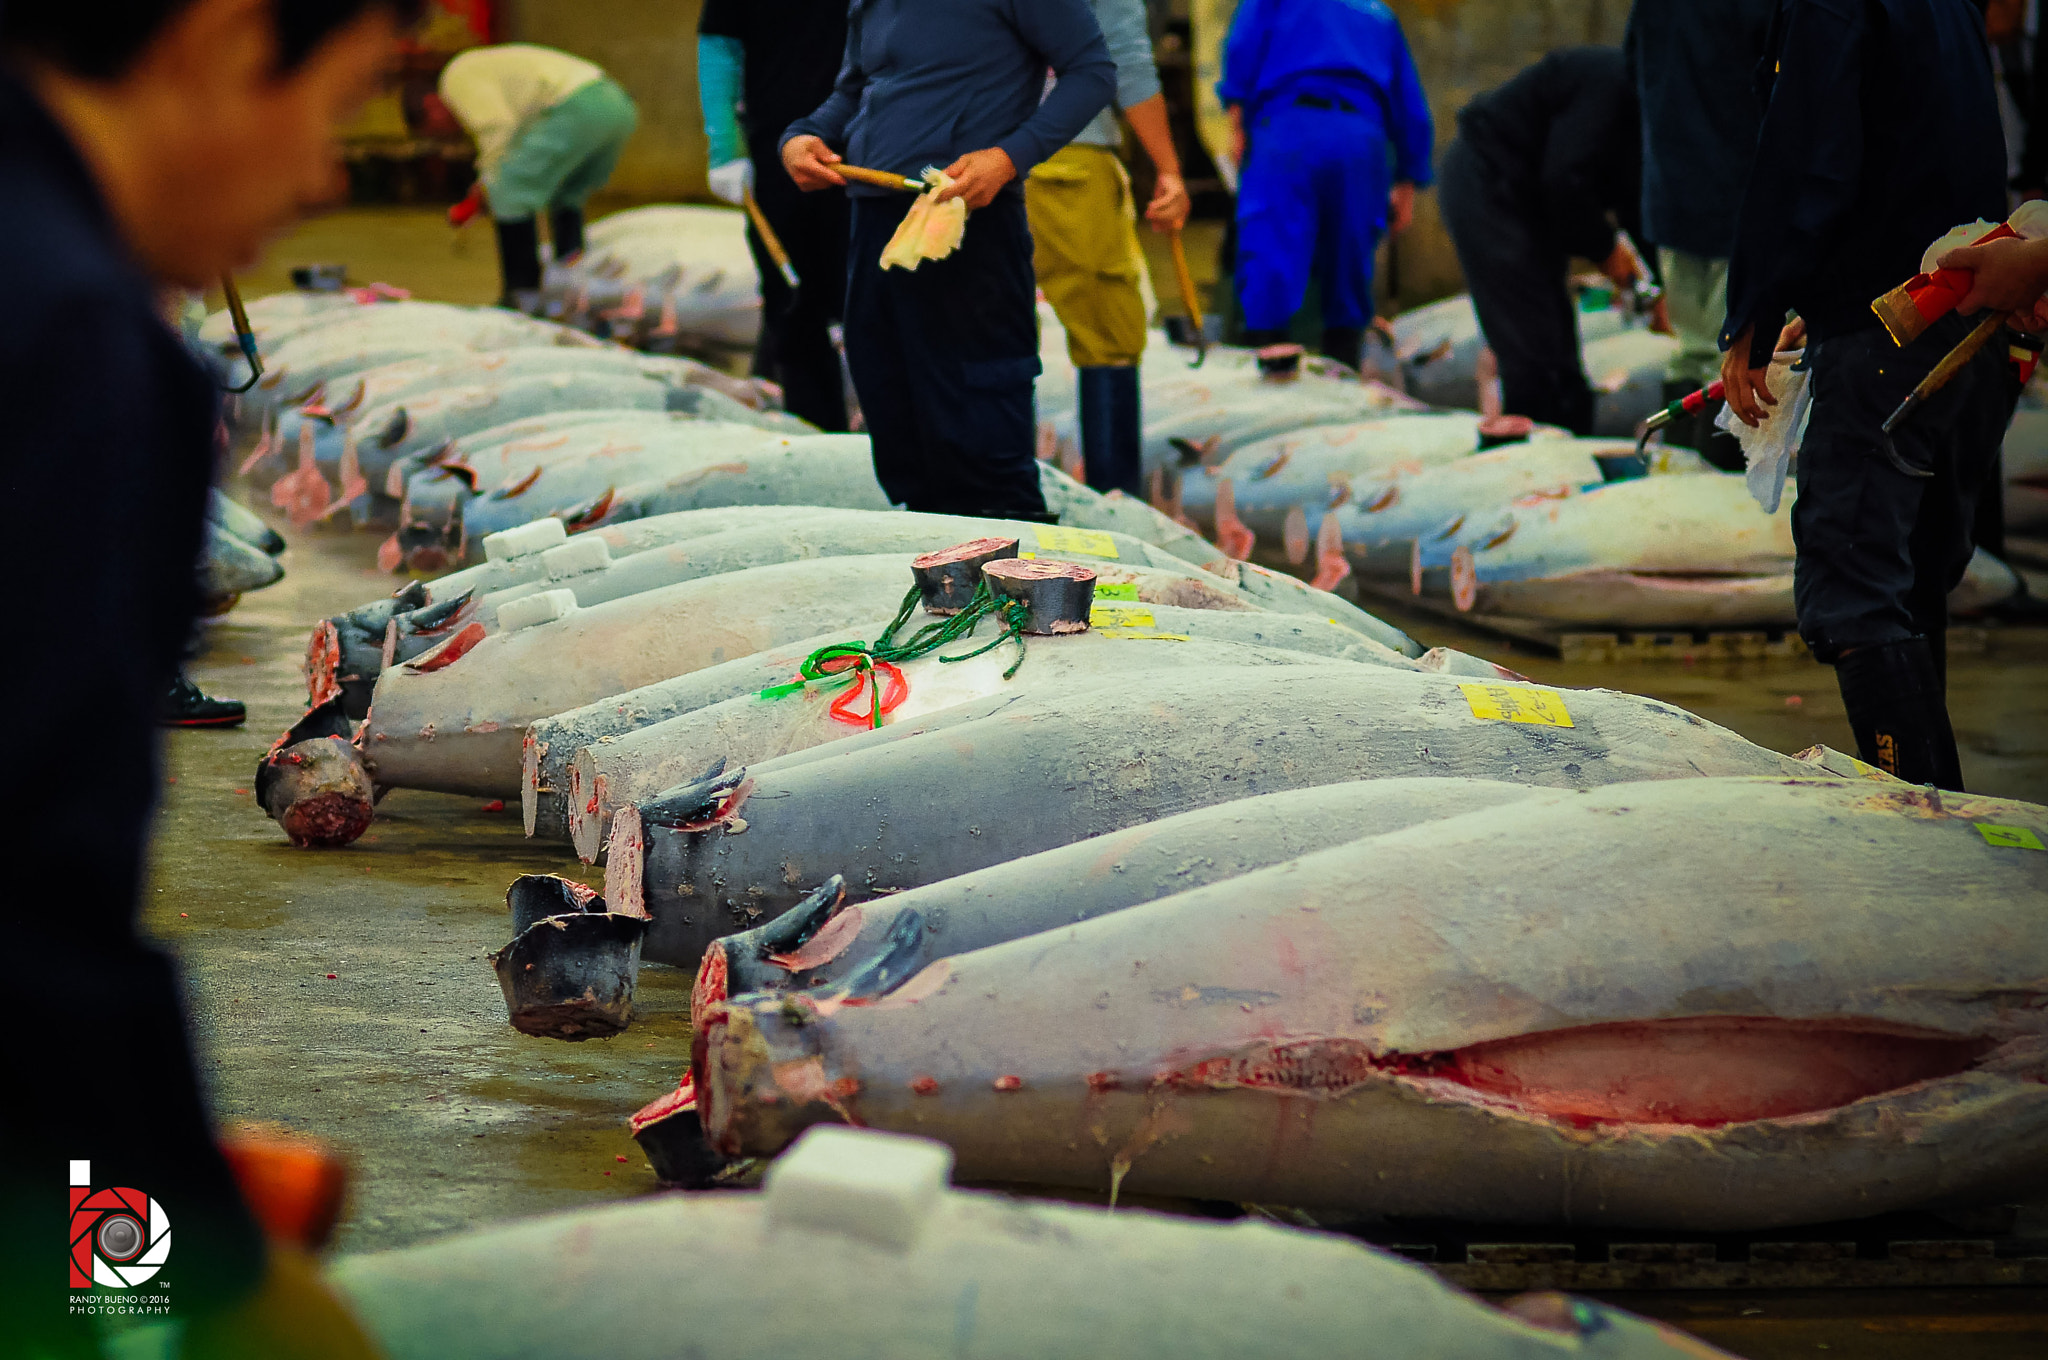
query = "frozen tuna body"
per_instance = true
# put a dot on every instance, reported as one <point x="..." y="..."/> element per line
<point x="1852" y="1022"/>
<point x="892" y="812"/>
<point x="1650" y="552"/>
<point x="1439" y="348"/>
<point x="1209" y="415"/>
<point x="895" y="1264"/>
<point x="231" y="566"/>
<point x="871" y="946"/>
<point x="453" y="719"/>
<point x="1382" y="519"/>
<point x="553" y="743"/>
<point x="938" y="695"/>
<point x="667" y="275"/>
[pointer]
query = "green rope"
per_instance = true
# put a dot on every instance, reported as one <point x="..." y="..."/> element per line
<point x="860" y="658"/>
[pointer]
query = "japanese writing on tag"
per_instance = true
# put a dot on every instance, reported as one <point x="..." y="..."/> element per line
<point x="2013" y="837"/>
<point x="1116" y="590"/>
<point x="1517" y="703"/>
<point x="1088" y="542"/>
<point x="1120" y="616"/>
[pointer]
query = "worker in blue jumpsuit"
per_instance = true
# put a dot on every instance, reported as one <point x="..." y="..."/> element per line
<point x="1332" y="137"/>
<point x="1880" y="133"/>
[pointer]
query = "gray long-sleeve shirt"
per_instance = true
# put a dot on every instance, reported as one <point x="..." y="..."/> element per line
<point x="1137" y="78"/>
<point x="926" y="81"/>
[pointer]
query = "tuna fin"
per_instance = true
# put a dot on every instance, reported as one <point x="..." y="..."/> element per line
<point x="394" y="430"/>
<point x="303" y="494"/>
<point x="1294" y="535"/>
<point x="691" y="803"/>
<point x="590" y="514"/>
<point x="429" y="620"/>
<point x="1332" y="566"/>
<point x="390" y="557"/>
<point x="789" y="930"/>
<point x="900" y="956"/>
<point x="352" y="481"/>
<point x="1233" y="535"/>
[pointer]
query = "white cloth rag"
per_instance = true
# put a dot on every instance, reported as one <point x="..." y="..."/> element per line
<point x="1769" y="449"/>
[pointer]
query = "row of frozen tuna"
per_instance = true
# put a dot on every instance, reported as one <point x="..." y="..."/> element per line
<point x="1232" y="896"/>
<point x="670" y="278"/>
<point x="240" y="555"/>
<point x="894" y="1262"/>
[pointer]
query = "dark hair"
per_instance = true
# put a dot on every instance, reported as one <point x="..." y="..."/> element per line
<point x="101" y="39"/>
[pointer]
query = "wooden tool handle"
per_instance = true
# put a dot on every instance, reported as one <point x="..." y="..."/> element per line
<point x="881" y="177"/>
<point x="1953" y="361"/>
<point x="768" y="236"/>
<point x="1186" y="282"/>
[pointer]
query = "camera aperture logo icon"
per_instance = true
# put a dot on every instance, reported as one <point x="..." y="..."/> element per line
<point x="120" y="1238"/>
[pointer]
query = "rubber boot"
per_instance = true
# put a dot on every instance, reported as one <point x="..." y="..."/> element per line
<point x="519" y="262"/>
<point x="1345" y="344"/>
<point x="1893" y="694"/>
<point x="565" y="230"/>
<point x="1111" y="449"/>
<point x="185" y="705"/>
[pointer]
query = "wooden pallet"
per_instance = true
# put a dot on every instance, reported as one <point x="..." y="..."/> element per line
<point x="1919" y="1251"/>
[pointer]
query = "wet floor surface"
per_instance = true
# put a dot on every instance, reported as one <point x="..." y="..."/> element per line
<point x="348" y="994"/>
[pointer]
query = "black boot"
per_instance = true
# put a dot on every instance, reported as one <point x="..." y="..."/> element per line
<point x="565" y="229"/>
<point x="1345" y="344"/>
<point x="519" y="261"/>
<point x="1893" y="694"/>
<point x="1111" y="444"/>
<point x="185" y="705"/>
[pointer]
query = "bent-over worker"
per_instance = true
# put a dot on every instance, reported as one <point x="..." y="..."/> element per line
<point x="1537" y="168"/>
<point x="1087" y="256"/>
<point x="1880" y="133"/>
<point x="944" y="356"/>
<point x="1331" y="132"/>
<point x="548" y="129"/>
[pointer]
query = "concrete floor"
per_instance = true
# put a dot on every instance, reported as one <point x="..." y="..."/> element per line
<point x="346" y="993"/>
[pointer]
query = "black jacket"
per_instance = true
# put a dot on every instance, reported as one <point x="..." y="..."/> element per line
<point x="106" y="452"/>
<point x="1693" y="66"/>
<point x="1562" y="138"/>
<point x="1880" y="133"/>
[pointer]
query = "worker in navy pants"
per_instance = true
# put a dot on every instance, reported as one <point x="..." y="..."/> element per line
<point x="1332" y="137"/>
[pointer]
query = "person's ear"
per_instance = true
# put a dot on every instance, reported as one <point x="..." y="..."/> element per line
<point x="216" y="48"/>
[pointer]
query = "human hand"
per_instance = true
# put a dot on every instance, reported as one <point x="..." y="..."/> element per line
<point x="1401" y="207"/>
<point x="1620" y="265"/>
<point x="472" y="203"/>
<point x="977" y="176"/>
<point x="1236" y="114"/>
<point x="293" y="1315"/>
<point x="1747" y="389"/>
<point x="1660" y="316"/>
<point x="732" y="181"/>
<point x="2007" y="275"/>
<point x="1793" y="336"/>
<point x="809" y="162"/>
<point x="1168" y="210"/>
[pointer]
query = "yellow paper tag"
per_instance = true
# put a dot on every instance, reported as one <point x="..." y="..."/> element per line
<point x="1087" y="542"/>
<point x="1116" y="590"/>
<point x="1517" y="703"/>
<point x="1144" y="635"/>
<point x="2013" y="837"/>
<point x="1120" y="616"/>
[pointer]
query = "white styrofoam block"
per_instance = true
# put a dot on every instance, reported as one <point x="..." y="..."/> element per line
<point x="541" y="534"/>
<point x="587" y="552"/>
<point x="877" y="1186"/>
<point x="542" y="607"/>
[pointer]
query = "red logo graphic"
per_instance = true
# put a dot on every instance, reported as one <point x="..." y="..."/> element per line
<point x="119" y="1237"/>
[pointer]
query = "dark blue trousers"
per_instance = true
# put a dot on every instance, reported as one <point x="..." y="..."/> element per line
<point x="944" y="358"/>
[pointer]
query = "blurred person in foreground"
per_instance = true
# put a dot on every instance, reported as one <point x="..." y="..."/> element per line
<point x="143" y="144"/>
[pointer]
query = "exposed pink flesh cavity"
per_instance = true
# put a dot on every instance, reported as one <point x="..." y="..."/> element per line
<point x="1703" y="1072"/>
<point x="1332" y="566"/>
<point x="828" y="944"/>
<point x="323" y="662"/>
